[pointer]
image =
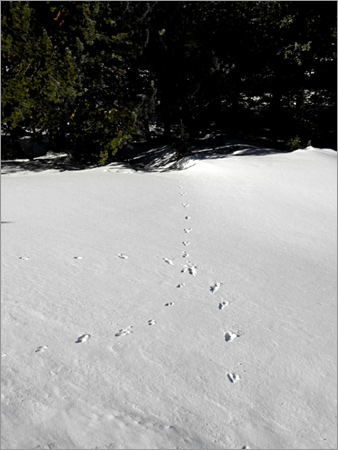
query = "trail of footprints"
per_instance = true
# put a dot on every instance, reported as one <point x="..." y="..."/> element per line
<point x="189" y="268"/>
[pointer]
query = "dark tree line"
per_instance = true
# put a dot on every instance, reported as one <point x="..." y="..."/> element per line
<point x="92" y="76"/>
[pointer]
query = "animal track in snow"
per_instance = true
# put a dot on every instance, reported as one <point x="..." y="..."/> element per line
<point x="185" y="205"/>
<point x="230" y="336"/>
<point x="180" y="285"/>
<point x="122" y="256"/>
<point x="151" y="322"/>
<point x="168" y="261"/>
<point x="169" y="304"/>
<point x="24" y="258"/>
<point x="78" y="257"/>
<point x="187" y="217"/>
<point x="82" y="338"/>
<point x="215" y="287"/>
<point x="233" y="377"/>
<point x="185" y="255"/>
<point x="41" y="349"/>
<point x="223" y="305"/>
<point x="190" y="269"/>
<point x="124" y="331"/>
<point x="187" y="230"/>
<point x="182" y="194"/>
<point x="186" y="243"/>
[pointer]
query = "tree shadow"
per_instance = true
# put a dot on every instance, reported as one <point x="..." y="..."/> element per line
<point x="164" y="157"/>
<point x="153" y="159"/>
<point x="60" y="163"/>
<point x="156" y="156"/>
<point x="234" y="150"/>
<point x="216" y="147"/>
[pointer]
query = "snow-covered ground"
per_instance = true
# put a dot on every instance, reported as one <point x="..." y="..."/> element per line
<point x="191" y="309"/>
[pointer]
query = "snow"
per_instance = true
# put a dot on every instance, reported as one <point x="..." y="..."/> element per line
<point x="136" y="317"/>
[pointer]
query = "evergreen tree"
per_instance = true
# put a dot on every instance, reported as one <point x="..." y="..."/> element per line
<point x="90" y="75"/>
<point x="65" y="73"/>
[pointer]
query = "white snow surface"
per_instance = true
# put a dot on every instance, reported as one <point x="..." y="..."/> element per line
<point x="113" y="336"/>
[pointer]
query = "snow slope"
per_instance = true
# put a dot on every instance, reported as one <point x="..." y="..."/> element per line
<point x="182" y="309"/>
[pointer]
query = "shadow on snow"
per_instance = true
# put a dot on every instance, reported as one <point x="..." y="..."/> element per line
<point x="150" y="157"/>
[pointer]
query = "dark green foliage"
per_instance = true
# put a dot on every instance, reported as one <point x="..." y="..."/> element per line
<point x="240" y="67"/>
<point x="65" y="73"/>
<point x="92" y="76"/>
<point x="296" y="143"/>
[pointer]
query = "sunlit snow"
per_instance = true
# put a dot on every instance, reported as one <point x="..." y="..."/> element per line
<point x="100" y="349"/>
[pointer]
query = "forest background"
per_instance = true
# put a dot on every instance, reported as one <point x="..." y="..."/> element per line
<point x="90" y="77"/>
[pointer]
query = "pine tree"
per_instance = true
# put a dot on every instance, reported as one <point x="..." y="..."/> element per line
<point x="91" y="74"/>
<point x="65" y="73"/>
